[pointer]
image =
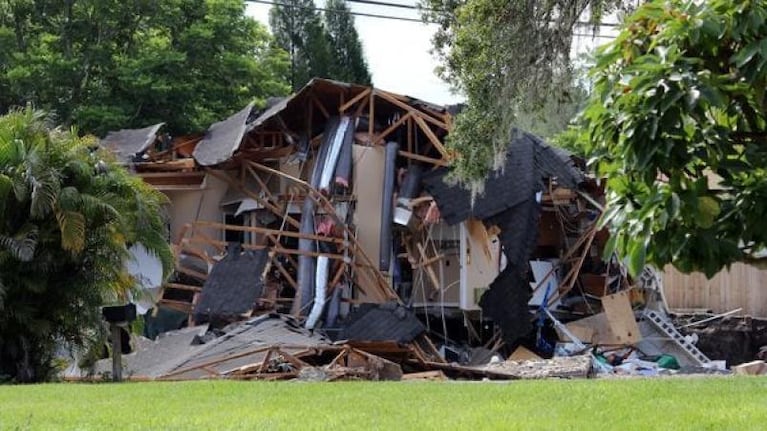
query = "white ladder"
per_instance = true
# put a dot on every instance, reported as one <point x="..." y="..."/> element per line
<point x="663" y="325"/>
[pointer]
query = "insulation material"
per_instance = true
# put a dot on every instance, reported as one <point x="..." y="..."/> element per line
<point x="344" y="167"/>
<point x="321" y="285"/>
<point x="339" y="136"/>
<point x="307" y="265"/>
<point x="233" y="286"/>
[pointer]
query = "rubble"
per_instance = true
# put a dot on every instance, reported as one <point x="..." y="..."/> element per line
<point x="753" y="368"/>
<point x="321" y="238"/>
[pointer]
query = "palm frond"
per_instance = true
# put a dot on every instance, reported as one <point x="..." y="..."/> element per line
<point x="45" y="191"/>
<point x="72" y="227"/>
<point x="21" y="246"/>
<point x="6" y="186"/>
<point x="94" y="207"/>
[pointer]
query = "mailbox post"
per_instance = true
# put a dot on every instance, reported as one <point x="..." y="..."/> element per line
<point x="117" y="316"/>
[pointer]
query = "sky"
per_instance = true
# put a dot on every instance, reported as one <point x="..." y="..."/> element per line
<point x="397" y="52"/>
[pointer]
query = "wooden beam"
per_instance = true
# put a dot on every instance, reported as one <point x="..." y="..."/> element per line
<point x="432" y="137"/>
<point x="429" y="270"/>
<point x="371" y="114"/>
<point x="319" y="106"/>
<point x="573" y="274"/>
<point x="381" y="136"/>
<point x="342" y="109"/>
<point x="420" y="158"/>
<point x="429" y="261"/>
<point x="394" y="101"/>
<point x="361" y="106"/>
<point x="260" y="182"/>
<point x="267" y="231"/>
<point x="410" y="135"/>
<point x="337" y="277"/>
<point x="182" y="287"/>
<point x="262" y="247"/>
<point x="383" y="286"/>
<point x="192" y="273"/>
<point x="286" y="274"/>
<point x="266" y="204"/>
<point x="184" y="307"/>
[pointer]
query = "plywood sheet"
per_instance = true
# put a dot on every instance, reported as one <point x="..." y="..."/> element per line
<point x="621" y="318"/>
<point x="367" y="188"/>
<point x="593" y="329"/>
<point x="523" y="354"/>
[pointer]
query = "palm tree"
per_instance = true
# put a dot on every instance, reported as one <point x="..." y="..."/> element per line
<point x="68" y="214"/>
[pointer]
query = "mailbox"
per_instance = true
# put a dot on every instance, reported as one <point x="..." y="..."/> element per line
<point x="119" y="313"/>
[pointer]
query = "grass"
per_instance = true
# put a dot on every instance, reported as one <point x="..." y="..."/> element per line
<point x="633" y="404"/>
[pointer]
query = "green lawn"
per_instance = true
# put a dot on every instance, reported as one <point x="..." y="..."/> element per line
<point x="615" y="405"/>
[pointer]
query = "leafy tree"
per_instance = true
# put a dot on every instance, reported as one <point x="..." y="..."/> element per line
<point x="349" y="63"/>
<point x="677" y="125"/>
<point x="67" y="217"/>
<point x="297" y="28"/>
<point x="110" y="64"/>
<point x="506" y="56"/>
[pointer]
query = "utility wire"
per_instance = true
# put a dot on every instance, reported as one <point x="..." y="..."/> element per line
<point x="369" y="15"/>
<point x="387" y="4"/>
<point x="415" y="7"/>
<point x="396" y="18"/>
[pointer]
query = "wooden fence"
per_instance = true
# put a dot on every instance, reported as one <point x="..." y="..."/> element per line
<point x="743" y="286"/>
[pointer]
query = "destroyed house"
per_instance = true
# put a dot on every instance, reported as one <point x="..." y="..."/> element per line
<point x="335" y="205"/>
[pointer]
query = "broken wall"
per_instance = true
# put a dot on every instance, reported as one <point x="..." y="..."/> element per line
<point x="187" y="206"/>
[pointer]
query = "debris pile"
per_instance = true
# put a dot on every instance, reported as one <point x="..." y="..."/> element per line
<point x="322" y="238"/>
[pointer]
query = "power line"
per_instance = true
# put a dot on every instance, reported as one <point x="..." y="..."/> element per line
<point x="369" y="15"/>
<point x="415" y="7"/>
<point x="387" y="4"/>
<point x="396" y="18"/>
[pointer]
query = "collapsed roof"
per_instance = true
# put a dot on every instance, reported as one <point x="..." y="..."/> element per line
<point x="127" y="143"/>
<point x="340" y="202"/>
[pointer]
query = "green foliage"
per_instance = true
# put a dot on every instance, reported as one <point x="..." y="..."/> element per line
<point x="507" y="57"/>
<point x="297" y="28"/>
<point x="677" y="126"/>
<point x="111" y="64"/>
<point x="349" y="63"/>
<point x="317" y="48"/>
<point x="68" y="214"/>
